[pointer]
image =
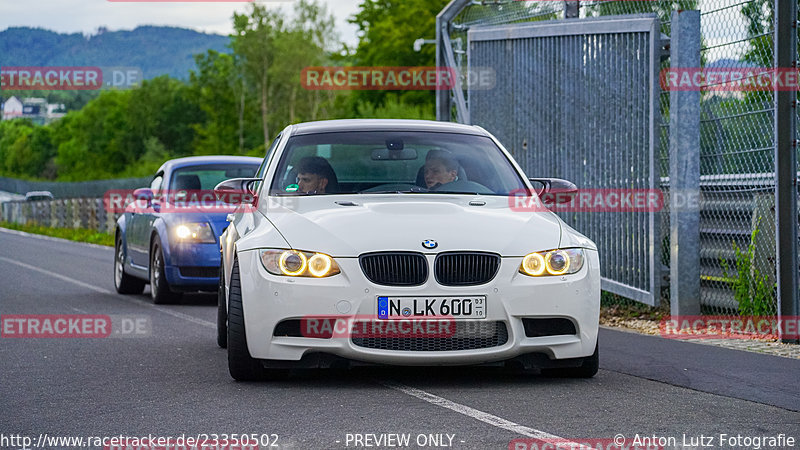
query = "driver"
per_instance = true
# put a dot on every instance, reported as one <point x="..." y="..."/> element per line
<point x="315" y="176"/>
<point x="441" y="168"/>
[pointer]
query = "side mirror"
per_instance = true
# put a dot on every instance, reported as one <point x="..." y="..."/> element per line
<point x="144" y="194"/>
<point x="555" y="190"/>
<point x="236" y="191"/>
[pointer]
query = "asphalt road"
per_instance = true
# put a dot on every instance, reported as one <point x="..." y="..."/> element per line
<point x="173" y="380"/>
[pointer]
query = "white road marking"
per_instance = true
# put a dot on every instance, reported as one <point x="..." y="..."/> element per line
<point x="484" y="417"/>
<point x="56" y="275"/>
<point x="170" y="312"/>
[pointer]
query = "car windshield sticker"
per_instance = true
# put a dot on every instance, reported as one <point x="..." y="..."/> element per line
<point x="292" y="188"/>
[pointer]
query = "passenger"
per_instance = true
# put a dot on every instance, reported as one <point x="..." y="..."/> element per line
<point x="441" y="168"/>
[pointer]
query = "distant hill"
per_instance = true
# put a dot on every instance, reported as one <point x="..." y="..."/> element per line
<point x="155" y="50"/>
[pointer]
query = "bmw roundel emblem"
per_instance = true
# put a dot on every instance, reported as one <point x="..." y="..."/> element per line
<point x="430" y="243"/>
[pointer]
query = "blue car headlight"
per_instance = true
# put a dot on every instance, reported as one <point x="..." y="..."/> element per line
<point x="199" y="232"/>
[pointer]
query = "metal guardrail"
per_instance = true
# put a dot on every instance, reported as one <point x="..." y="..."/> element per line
<point x="731" y="207"/>
<point x="87" y="213"/>
<point x="66" y="189"/>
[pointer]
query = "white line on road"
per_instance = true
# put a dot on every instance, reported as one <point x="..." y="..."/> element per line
<point x="170" y="312"/>
<point x="56" y="275"/>
<point x="484" y="417"/>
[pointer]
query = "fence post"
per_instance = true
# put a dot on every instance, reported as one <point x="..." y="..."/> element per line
<point x="684" y="170"/>
<point x="443" y="19"/>
<point x="786" y="164"/>
<point x="572" y="9"/>
<point x="100" y="215"/>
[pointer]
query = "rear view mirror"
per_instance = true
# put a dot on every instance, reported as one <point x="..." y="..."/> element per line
<point x="236" y="191"/>
<point x="554" y="190"/>
<point x="394" y="154"/>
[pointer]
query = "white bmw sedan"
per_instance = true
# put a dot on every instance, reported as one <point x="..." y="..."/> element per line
<point x="396" y="242"/>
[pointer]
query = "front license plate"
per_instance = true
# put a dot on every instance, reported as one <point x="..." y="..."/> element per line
<point x="397" y="308"/>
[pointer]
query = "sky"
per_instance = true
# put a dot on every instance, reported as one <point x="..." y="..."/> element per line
<point x="86" y="16"/>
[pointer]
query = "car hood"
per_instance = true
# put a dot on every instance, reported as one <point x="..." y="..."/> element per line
<point x="347" y="226"/>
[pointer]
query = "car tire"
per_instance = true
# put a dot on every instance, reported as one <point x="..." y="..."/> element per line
<point x="159" y="286"/>
<point x="241" y="365"/>
<point x="588" y="368"/>
<point x="124" y="283"/>
<point x="222" y="312"/>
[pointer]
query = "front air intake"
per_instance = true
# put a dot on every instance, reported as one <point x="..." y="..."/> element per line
<point x="395" y="268"/>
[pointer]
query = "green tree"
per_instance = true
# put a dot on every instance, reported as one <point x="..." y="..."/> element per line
<point x="253" y="42"/>
<point x="306" y="41"/>
<point x="271" y="48"/>
<point x="163" y="108"/>
<point x="88" y="141"/>
<point x="388" y="29"/>
<point x="214" y="89"/>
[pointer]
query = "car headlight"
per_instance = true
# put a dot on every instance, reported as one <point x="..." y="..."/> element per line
<point x="294" y="263"/>
<point x="195" y="232"/>
<point x="553" y="262"/>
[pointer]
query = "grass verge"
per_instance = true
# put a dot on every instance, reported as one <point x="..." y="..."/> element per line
<point x="73" y="234"/>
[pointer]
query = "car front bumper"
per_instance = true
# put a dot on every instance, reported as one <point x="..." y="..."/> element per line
<point x="193" y="265"/>
<point x="510" y="297"/>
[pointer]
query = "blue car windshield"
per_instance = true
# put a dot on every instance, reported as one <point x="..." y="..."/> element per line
<point x="207" y="176"/>
<point x="394" y="161"/>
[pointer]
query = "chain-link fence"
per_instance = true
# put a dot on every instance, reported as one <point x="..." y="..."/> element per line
<point x="737" y="137"/>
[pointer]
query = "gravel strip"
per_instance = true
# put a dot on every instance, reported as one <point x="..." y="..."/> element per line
<point x="768" y="346"/>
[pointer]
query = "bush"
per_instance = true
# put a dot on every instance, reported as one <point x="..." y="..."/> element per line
<point x="752" y="290"/>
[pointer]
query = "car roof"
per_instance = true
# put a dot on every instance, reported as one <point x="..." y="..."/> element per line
<point x="332" y="126"/>
<point x="176" y="163"/>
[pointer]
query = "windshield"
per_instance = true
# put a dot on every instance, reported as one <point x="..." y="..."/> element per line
<point x="387" y="162"/>
<point x="207" y="176"/>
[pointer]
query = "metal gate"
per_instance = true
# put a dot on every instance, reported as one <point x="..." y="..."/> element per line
<point x="578" y="99"/>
